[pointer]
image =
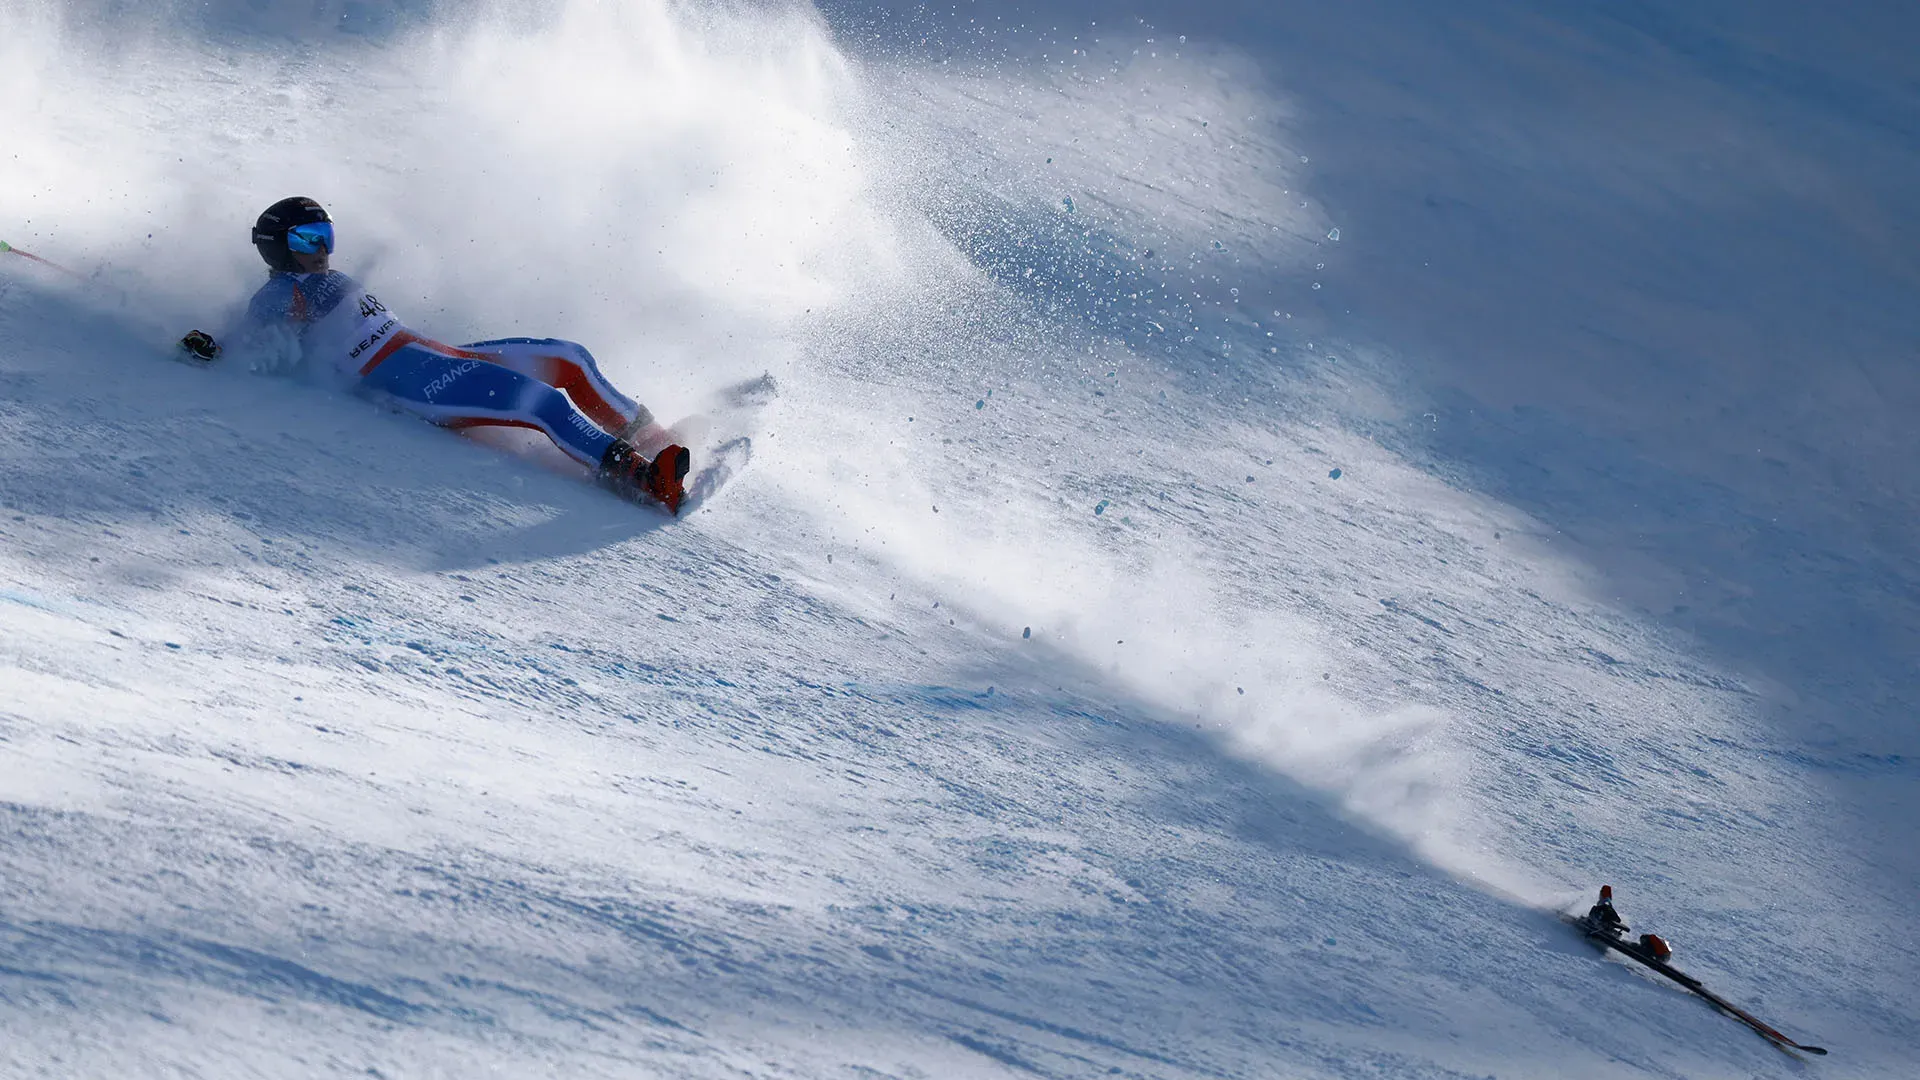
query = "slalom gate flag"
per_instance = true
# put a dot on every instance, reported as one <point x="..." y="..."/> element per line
<point x="6" y="248"/>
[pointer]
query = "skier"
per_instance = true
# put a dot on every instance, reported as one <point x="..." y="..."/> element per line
<point x="1602" y="918"/>
<point x="326" y="318"/>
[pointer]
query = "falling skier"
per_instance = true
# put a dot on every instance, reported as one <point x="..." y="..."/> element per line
<point x="323" y="317"/>
<point x="1602" y="919"/>
<point x="1602" y="925"/>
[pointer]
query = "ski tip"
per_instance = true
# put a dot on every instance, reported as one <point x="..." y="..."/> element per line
<point x="1821" y="1050"/>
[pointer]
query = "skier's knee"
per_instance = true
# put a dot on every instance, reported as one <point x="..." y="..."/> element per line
<point x="578" y="353"/>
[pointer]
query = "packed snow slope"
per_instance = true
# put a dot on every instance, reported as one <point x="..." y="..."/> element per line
<point x="1261" y="505"/>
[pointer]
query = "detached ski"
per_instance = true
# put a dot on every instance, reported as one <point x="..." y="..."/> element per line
<point x="1603" y="926"/>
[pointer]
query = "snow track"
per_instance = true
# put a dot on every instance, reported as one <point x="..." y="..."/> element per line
<point x="1115" y="659"/>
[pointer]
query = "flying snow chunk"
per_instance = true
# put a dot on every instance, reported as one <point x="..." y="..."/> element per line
<point x="1333" y="234"/>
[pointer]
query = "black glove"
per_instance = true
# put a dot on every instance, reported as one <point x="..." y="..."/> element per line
<point x="200" y="345"/>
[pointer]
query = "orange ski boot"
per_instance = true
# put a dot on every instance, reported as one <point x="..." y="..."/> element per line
<point x="666" y="475"/>
<point x="631" y="476"/>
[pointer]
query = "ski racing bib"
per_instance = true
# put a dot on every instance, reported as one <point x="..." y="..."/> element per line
<point x="342" y="326"/>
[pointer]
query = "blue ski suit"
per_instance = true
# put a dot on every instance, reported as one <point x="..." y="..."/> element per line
<point x="549" y="385"/>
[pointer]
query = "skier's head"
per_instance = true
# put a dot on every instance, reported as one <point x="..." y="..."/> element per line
<point x="294" y="235"/>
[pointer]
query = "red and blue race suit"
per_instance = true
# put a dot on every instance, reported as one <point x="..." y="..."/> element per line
<point x="549" y="385"/>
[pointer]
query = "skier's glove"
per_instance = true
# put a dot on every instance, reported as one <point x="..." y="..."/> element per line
<point x="200" y="345"/>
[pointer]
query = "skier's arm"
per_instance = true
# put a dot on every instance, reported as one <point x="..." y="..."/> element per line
<point x="266" y="336"/>
<point x="266" y="307"/>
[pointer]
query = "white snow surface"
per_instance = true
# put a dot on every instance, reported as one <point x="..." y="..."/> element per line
<point x="1264" y="505"/>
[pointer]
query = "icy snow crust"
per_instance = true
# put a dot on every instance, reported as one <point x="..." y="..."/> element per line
<point x="1262" y="507"/>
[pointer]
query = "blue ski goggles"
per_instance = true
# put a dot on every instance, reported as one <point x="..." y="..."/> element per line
<point x="308" y="239"/>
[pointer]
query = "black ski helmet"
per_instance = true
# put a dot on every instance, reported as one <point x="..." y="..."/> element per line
<point x="270" y="232"/>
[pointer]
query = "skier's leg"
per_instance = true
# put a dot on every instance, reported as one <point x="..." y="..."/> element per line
<point x="570" y="367"/>
<point x="460" y="391"/>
